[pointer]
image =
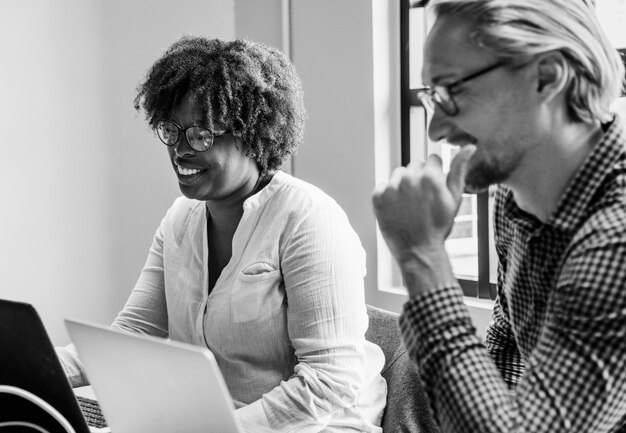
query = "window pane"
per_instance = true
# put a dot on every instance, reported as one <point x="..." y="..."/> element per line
<point x="417" y="38"/>
<point x="493" y="257"/>
<point x="612" y="16"/>
<point x="419" y="139"/>
<point x="462" y="243"/>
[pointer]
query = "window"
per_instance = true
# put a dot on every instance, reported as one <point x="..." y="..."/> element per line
<point x="612" y="16"/>
<point x="470" y="244"/>
<point x="471" y="252"/>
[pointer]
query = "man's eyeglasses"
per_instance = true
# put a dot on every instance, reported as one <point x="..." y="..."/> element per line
<point x="200" y="139"/>
<point x="442" y="94"/>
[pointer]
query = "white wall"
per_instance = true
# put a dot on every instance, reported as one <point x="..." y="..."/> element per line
<point x="332" y="50"/>
<point x="53" y="225"/>
<point x="83" y="182"/>
<point x="262" y="21"/>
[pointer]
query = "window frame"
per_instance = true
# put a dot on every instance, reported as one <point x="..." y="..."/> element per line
<point x="481" y="287"/>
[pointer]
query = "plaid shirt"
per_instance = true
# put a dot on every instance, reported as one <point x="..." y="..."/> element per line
<point x="554" y="359"/>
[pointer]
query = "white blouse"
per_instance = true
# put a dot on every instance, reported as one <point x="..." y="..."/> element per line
<point x="286" y="319"/>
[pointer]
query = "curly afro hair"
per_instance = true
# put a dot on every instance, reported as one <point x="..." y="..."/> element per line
<point x="249" y="87"/>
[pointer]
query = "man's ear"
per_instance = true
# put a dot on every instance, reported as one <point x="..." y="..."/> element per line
<point x="552" y="77"/>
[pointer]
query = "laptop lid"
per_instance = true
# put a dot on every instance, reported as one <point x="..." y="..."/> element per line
<point x="28" y="361"/>
<point x="152" y="384"/>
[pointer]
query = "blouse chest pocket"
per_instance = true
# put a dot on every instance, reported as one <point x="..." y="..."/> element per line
<point x="258" y="292"/>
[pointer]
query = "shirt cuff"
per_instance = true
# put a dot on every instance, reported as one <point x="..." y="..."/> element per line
<point x="434" y="320"/>
<point x="71" y="365"/>
<point x="253" y="418"/>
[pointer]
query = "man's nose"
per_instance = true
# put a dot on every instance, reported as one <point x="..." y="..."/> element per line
<point x="439" y="127"/>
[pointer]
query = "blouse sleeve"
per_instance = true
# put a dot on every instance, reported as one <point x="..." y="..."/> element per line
<point x="72" y="366"/>
<point x="145" y="311"/>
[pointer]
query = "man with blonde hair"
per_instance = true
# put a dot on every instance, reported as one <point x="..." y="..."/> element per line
<point x="525" y="88"/>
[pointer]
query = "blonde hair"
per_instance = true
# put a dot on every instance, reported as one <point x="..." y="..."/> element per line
<point x="517" y="30"/>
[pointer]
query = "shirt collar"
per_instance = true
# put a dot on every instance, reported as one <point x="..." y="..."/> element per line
<point x="575" y="201"/>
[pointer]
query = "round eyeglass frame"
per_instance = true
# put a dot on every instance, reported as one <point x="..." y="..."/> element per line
<point x="200" y="139"/>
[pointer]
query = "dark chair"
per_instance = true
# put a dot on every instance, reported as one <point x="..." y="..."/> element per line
<point x="408" y="409"/>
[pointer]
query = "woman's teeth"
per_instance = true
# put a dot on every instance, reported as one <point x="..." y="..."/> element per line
<point x="187" y="171"/>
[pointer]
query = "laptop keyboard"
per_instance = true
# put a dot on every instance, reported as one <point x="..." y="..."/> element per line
<point x="91" y="411"/>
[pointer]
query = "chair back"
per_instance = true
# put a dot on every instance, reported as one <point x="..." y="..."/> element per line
<point x="408" y="408"/>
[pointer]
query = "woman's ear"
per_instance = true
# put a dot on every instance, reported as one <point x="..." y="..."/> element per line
<point x="552" y="76"/>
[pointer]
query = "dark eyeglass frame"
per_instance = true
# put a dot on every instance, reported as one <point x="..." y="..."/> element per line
<point x="442" y="94"/>
<point x="190" y="133"/>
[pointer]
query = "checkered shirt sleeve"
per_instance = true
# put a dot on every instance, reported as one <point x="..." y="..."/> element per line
<point x="566" y="388"/>
<point x="561" y="312"/>
<point x="502" y="347"/>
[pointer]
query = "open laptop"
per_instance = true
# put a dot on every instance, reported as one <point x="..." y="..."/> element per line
<point x="148" y="384"/>
<point x="29" y="362"/>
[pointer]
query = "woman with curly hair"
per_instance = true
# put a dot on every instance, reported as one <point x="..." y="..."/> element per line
<point x="261" y="268"/>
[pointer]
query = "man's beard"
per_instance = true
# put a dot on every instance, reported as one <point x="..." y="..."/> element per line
<point x="481" y="175"/>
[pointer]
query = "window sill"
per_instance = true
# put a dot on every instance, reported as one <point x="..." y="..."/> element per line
<point x="394" y="297"/>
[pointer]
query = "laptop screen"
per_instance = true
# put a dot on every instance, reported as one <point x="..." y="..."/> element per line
<point x="28" y="361"/>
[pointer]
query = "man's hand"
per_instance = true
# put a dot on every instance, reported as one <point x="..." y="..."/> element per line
<point x="416" y="209"/>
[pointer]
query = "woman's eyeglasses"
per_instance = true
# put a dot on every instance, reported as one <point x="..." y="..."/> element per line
<point x="200" y="139"/>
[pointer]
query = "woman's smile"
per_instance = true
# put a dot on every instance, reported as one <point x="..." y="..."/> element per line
<point x="189" y="176"/>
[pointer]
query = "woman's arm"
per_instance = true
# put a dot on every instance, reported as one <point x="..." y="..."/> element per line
<point x="72" y="366"/>
<point x="145" y="311"/>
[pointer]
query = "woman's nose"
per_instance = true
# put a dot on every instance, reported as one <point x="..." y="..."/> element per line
<point x="182" y="147"/>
